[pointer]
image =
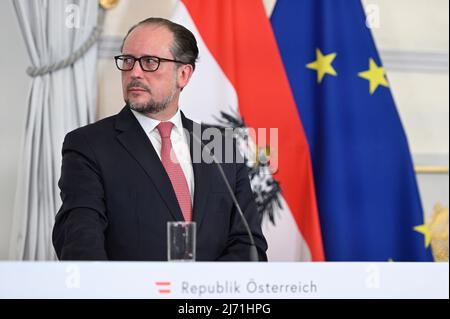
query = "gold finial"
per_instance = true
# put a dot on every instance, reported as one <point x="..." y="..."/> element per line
<point x="108" y="4"/>
<point x="438" y="226"/>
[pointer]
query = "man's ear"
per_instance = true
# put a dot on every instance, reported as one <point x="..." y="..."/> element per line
<point x="184" y="75"/>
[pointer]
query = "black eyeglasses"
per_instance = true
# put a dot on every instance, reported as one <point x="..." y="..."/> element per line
<point x="148" y="63"/>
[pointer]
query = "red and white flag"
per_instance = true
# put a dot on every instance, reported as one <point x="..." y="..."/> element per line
<point x="240" y="70"/>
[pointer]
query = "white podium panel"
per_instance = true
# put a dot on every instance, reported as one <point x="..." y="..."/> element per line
<point x="163" y="280"/>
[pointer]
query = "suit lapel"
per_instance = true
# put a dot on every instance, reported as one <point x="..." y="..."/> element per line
<point x="201" y="170"/>
<point x="136" y="142"/>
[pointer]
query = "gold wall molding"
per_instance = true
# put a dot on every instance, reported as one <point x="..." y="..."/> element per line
<point x="425" y="169"/>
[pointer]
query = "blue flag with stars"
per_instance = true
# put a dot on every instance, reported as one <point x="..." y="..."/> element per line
<point x="366" y="189"/>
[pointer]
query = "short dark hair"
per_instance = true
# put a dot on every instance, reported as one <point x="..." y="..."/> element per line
<point x="184" y="46"/>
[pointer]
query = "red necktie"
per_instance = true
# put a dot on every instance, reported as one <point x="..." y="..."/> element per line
<point x="174" y="170"/>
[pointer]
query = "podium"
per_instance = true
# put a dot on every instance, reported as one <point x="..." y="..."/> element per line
<point x="204" y="280"/>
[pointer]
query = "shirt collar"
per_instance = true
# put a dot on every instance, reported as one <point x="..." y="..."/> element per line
<point x="149" y="124"/>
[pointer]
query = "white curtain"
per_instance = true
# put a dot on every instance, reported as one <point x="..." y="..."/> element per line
<point x="58" y="102"/>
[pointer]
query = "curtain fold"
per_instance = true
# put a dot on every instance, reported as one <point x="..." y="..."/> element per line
<point x="58" y="102"/>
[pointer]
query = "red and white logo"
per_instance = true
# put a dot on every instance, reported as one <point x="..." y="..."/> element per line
<point x="163" y="287"/>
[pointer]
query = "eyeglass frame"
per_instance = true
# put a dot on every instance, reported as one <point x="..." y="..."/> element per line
<point x="117" y="57"/>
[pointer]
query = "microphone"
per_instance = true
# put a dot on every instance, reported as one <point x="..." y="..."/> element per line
<point x="253" y="251"/>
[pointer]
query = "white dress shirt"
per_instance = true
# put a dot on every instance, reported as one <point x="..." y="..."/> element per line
<point x="179" y="143"/>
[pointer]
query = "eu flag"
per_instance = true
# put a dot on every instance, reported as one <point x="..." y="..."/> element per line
<point x="366" y="188"/>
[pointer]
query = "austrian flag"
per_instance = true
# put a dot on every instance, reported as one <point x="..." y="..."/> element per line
<point x="240" y="71"/>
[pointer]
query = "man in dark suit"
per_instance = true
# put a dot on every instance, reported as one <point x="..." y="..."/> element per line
<point x="124" y="177"/>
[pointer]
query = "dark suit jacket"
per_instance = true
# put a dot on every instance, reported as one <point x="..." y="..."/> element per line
<point x="117" y="199"/>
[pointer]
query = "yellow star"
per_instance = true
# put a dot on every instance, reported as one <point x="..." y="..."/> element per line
<point x="423" y="229"/>
<point x="323" y="65"/>
<point x="375" y="75"/>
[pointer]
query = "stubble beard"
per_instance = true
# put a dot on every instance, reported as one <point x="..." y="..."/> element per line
<point x="152" y="106"/>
